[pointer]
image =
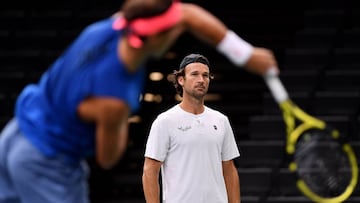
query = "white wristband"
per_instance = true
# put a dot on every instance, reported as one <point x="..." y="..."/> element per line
<point x="237" y="50"/>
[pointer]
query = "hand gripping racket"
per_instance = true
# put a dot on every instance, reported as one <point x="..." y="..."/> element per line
<point x="325" y="165"/>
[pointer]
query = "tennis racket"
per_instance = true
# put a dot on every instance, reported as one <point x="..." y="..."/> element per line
<point x="324" y="163"/>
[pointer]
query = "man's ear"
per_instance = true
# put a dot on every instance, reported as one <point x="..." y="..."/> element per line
<point x="180" y="80"/>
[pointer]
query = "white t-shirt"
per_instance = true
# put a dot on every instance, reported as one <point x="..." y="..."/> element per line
<point x="192" y="148"/>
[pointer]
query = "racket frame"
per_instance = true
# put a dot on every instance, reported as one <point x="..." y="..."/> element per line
<point x="292" y="113"/>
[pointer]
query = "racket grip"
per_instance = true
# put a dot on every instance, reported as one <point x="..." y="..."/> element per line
<point x="276" y="87"/>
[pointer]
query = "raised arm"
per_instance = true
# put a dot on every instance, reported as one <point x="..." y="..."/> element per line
<point x="208" y="28"/>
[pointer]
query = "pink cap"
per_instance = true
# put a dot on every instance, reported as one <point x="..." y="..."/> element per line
<point x="149" y="26"/>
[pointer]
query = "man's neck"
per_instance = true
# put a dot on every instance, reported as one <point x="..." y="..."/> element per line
<point x="193" y="106"/>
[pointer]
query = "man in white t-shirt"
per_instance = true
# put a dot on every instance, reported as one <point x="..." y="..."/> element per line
<point x="192" y="145"/>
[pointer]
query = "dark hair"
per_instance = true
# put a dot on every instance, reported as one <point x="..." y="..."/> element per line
<point x="134" y="9"/>
<point x="191" y="58"/>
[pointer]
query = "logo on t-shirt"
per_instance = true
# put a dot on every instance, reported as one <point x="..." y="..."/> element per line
<point x="184" y="128"/>
<point x="215" y="127"/>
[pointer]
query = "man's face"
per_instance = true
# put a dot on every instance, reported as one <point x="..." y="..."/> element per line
<point x="196" y="80"/>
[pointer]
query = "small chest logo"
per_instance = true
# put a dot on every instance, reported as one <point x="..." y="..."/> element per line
<point x="215" y="127"/>
<point x="184" y="128"/>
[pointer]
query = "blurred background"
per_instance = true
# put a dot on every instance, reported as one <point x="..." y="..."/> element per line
<point x="317" y="45"/>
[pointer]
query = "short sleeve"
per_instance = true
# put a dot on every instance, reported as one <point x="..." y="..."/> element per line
<point x="158" y="140"/>
<point x="230" y="149"/>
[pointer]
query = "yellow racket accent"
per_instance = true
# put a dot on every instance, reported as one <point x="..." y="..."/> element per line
<point x="292" y="166"/>
<point x="335" y="134"/>
<point x="291" y="113"/>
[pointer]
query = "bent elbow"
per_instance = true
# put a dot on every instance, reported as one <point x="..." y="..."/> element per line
<point x="107" y="162"/>
<point x="104" y="164"/>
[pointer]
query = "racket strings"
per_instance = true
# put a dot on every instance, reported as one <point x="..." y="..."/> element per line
<point x="322" y="164"/>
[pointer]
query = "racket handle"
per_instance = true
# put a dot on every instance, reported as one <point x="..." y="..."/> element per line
<point x="276" y="87"/>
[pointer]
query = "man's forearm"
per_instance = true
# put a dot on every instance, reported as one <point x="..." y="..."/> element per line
<point x="232" y="182"/>
<point x="151" y="188"/>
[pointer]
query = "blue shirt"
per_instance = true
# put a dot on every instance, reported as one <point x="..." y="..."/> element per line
<point x="46" y="111"/>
